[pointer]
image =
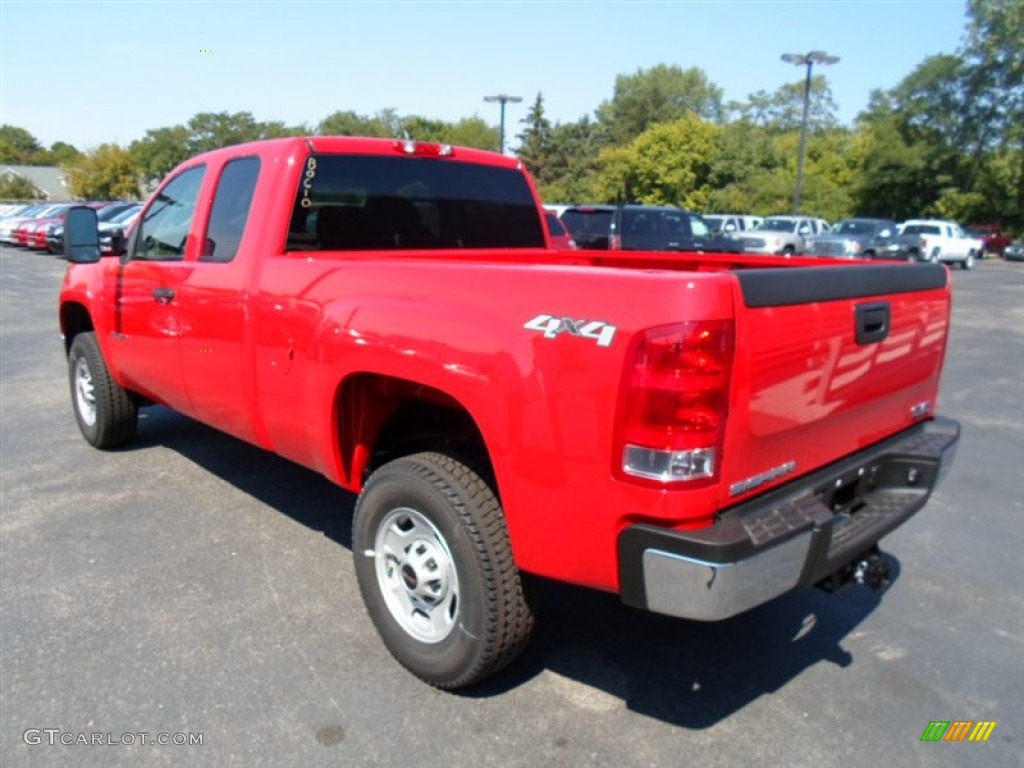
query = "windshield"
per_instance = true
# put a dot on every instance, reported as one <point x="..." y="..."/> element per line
<point x="715" y="222"/>
<point x="778" y="225"/>
<point x="853" y="227"/>
<point x="379" y="202"/>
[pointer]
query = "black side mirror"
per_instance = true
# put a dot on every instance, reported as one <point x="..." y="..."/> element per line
<point x="81" y="235"/>
<point x="118" y="243"/>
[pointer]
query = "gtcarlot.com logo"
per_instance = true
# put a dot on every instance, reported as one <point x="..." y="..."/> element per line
<point x="54" y="736"/>
<point x="958" y="730"/>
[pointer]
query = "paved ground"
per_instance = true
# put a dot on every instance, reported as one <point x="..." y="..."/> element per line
<point x="193" y="584"/>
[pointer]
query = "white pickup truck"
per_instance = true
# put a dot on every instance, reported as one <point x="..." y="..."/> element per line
<point x="944" y="241"/>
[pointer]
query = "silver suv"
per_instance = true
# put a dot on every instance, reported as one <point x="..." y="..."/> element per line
<point x="782" y="235"/>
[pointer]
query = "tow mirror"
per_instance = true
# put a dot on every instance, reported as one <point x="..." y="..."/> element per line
<point x="81" y="235"/>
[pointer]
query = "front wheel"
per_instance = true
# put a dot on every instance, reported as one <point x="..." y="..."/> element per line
<point x="436" y="573"/>
<point x="106" y="414"/>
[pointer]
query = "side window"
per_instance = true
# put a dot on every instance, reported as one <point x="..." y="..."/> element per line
<point x="698" y="227"/>
<point x="164" y="226"/>
<point x="231" y="203"/>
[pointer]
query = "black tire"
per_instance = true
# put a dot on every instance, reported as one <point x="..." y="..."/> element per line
<point x="788" y="251"/>
<point x="106" y="414"/>
<point x="967" y="263"/>
<point x="435" y="569"/>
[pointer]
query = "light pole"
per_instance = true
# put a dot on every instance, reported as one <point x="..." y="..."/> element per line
<point x="808" y="60"/>
<point x="503" y="99"/>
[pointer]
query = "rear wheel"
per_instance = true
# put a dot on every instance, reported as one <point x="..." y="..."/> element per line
<point x="435" y="570"/>
<point x="106" y="414"/>
<point x="968" y="262"/>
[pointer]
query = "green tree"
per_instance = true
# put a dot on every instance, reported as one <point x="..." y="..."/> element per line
<point x="385" y="124"/>
<point x="535" y="139"/>
<point x="661" y="94"/>
<point x="213" y="130"/>
<point x="570" y="166"/>
<point x="160" y="150"/>
<point x="994" y="56"/>
<point x="17" y="188"/>
<point x="17" y="145"/>
<point x="783" y="110"/>
<point x="63" y="153"/>
<point x="107" y="173"/>
<point x="668" y="164"/>
<point x="473" y="132"/>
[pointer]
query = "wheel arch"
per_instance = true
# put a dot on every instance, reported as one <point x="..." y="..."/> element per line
<point x="74" y="319"/>
<point x="379" y="418"/>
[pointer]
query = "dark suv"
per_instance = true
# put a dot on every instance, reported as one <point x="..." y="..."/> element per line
<point x="643" y="228"/>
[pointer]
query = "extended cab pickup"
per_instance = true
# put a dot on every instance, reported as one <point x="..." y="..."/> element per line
<point x="697" y="433"/>
<point x="944" y="241"/>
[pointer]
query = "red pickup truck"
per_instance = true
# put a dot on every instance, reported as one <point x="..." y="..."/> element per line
<point x="993" y="239"/>
<point x="697" y="433"/>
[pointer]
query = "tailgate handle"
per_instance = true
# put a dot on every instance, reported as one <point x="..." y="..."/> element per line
<point x="872" y="322"/>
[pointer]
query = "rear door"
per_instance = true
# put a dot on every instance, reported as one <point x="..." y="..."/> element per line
<point x="212" y="307"/>
<point x="828" y="362"/>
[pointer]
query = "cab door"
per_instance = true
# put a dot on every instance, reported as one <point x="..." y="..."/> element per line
<point x="147" y="325"/>
<point x="212" y="306"/>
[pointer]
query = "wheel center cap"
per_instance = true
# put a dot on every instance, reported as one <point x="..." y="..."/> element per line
<point x="409" y="577"/>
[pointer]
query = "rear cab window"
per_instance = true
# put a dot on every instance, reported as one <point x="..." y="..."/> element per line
<point x="231" y="203"/>
<point x="374" y="202"/>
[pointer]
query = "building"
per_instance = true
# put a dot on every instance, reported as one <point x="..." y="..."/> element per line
<point x="49" y="181"/>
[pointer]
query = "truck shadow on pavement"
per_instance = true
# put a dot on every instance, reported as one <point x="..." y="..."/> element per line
<point x="595" y="651"/>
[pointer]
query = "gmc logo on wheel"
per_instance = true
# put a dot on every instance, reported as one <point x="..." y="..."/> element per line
<point x="551" y="326"/>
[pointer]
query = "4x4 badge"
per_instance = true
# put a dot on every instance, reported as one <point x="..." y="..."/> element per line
<point x="551" y="326"/>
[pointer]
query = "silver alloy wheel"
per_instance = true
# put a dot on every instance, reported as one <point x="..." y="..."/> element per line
<point x="416" y="575"/>
<point x="85" y="392"/>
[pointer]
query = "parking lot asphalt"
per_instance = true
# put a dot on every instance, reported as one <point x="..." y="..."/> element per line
<point x="192" y="585"/>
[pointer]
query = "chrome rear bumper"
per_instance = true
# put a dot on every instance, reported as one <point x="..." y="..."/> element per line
<point x="787" y="538"/>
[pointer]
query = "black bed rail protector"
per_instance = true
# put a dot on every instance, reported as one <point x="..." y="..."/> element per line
<point x="803" y="285"/>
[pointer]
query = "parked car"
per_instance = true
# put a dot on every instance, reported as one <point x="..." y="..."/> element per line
<point x="118" y="225"/>
<point x="783" y="235"/>
<point x="644" y="228"/>
<point x="943" y="241"/>
<point x="560" y="238"/>
<point x="731" y="224"/>
<point x="53" y="236"/>
<point x="864" y="239"/>
<point x="993" y="239"/>
<point x="589" y="225"/>
<point x="24" y="233"/>
<point x="1014" y="251"/>
<point x="9" y="224"/>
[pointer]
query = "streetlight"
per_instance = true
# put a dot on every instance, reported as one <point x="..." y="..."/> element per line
<point x="503" y="99"/>
<point x="808" y="60"/>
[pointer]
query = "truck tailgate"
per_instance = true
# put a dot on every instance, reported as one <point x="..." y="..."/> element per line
<point x="829" y="360"/>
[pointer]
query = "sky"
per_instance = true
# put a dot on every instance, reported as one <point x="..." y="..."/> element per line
<point x="94" y="72"/>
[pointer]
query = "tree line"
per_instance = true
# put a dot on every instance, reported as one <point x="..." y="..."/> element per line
<point x="947" y="141"/>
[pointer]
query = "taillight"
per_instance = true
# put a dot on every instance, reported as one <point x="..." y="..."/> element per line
<point x="614" y="243"/>
<point x="675" y="402"/>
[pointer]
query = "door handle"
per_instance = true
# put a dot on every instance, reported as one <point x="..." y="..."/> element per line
<point x="163" y="295"/>
<point x="872" y="322"/>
